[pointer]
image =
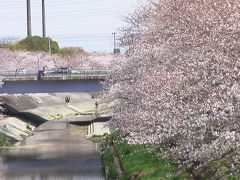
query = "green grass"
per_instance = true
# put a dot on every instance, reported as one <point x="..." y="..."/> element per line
<point x="23" y="136"/>
<point x="108" y="160"/>
<point x="145" y="162"/>
<point x="221" y="169"/>
<point x="141" y="162"/>
<point x="3" y="140"/>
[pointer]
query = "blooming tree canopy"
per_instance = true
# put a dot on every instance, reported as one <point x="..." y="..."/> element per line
<point x="12" y="60"/>
<point x="178" y="87"/>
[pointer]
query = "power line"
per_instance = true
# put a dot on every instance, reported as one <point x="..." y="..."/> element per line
<point x="82" y="40"/>
<point x="71" y="16"/>
<point x="83" y="35"/>
<point x="98" y="34"/>
<point x="87" y="11"/>
<point x="57" y="3"/>
<point x="68" y="14"/>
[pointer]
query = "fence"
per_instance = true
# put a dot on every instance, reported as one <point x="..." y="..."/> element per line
<point x="34" y="75"/>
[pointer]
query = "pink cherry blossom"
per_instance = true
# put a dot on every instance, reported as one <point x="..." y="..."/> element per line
<point x="178" y="87"/>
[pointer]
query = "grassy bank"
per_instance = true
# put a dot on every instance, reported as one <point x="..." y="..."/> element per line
<point x="4" y="141"/>
<point x="125" y="162"/>
<point x="142" y="162"/>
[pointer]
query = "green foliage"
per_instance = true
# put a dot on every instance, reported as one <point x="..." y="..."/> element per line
<point x="142" y="162"/>
<point x="3" y="140"/>
<point x="219" y="169"/>
<point x="108" y="160"/>
<point x="14" y="47"/>
<point x="23" y="136"/>
<point x="70" y="51"/>
<point x="28" y="127"/>
<point x="145" y="162"/>
<point x="139" y="161"/>
<point x="35" y="43"/>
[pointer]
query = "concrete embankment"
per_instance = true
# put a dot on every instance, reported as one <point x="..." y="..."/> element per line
<point x="27" y="111"/>
<point x="15" y="128"/>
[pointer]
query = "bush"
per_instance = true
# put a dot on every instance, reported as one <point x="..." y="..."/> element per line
<point x="108" y="160"/>
<point x="3" y="140"/>
<point x="28" y="127"/>
<point x="14" y="47"/>
<point x="70" y="51"/>
<point x="138" y="161"/>
<point x="23" y="136"/>
<point x="35" y="43"/>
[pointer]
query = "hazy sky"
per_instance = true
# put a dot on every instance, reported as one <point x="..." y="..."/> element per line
<point x="85" y="23"/>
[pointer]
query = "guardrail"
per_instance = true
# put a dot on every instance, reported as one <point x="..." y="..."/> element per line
<point x="35" y="75"/>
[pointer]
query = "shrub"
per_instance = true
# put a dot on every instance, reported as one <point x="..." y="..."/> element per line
<point x="23" y="136"/>
<point x="108" y="160"/>
<point x="70" y="51"/>
<point x="36" y="43"/>
<point x="3" y="140"/>
<point x="28" y="127"/>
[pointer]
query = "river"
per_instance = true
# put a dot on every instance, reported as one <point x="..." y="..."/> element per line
<point x="57" y="151"/>
<point x="22" y="87"/>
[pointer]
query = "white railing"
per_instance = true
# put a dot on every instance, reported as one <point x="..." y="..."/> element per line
<point x="53" y="75"/>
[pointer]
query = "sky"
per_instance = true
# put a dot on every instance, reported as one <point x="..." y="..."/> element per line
<point x="84" y="23"/>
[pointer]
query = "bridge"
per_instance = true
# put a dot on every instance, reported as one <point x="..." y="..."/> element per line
<point x="81" y="85"/>
<point x="34" y="75"/>
<point x="21" y="82"/>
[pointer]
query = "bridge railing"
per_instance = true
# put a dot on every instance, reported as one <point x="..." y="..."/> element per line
<point x="19" y="75"/>
<point x="53" y="75"/>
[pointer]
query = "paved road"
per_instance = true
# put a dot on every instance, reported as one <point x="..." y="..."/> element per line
<point x="56" y="151"/>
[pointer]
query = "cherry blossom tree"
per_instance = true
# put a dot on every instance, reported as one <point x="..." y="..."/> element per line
<point x="12" y="60"/>
<point x="178" y="87"/>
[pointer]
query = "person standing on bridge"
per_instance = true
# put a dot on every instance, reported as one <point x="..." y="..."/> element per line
<point x="43" y="71"/>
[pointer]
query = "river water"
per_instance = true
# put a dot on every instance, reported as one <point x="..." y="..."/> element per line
<point x="57" y="151"/>
<point x="21" y="87"/>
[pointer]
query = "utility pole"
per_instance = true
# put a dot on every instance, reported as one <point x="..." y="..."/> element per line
<point x="38" y="58"/>
<point x="49" y="46"/>
<point x="114" y="41"/>
<point x="68" y="61"/>
<point x="43" y="19"/>
<point x="29" y="25"/>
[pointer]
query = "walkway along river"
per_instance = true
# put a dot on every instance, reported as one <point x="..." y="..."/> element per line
<point x="57" y="151"/>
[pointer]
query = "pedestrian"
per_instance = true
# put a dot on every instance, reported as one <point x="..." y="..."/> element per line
<point x="43" y="72"/>
<point x="67" y="99"/>
<point x="96" y="105"/>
